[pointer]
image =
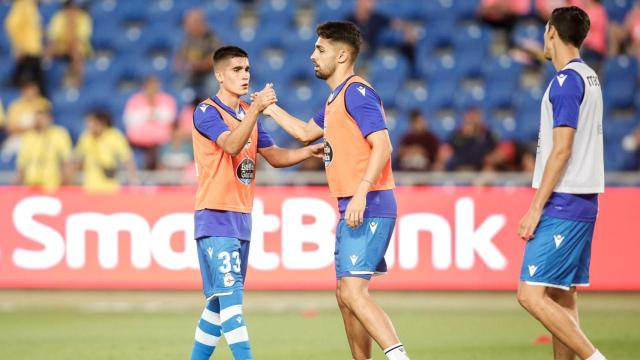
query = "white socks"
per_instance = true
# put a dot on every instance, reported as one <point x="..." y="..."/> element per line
<point x="597" y="356"/>
<point x="396" y="352"/>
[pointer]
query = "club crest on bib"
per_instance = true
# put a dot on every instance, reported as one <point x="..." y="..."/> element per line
<point x="328" y="153"/>
<point x="245" y="171"/>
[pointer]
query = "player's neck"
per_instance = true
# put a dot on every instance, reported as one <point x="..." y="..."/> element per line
<point x="229" y="99"/>
<point x="338" y="77"/>
<point x="563" y="56"/>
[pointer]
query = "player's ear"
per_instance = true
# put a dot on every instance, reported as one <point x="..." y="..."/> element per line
<point x="218" y="76"/>
<point x="343" y="56"/>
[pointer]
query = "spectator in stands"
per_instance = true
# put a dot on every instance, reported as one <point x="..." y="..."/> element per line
<point x="631" y="144"/>
<point x="627" y="35"/>
<point x="594" y="48"/>
<point x="101" y="151"/>
<point x="373" y="24"/>
<point x="148" y="118"/>
<point x="24" y="28"/>
<point x="418" y="149"/>
<point x="44" y="152"/>
<point x="471" y="143"/>
<point x="193" y="62"/>
<point x="503" y="13"/>
<point x="21" y="116"/>
<point x="69" y="35"/>
<point x="177" y="154"/>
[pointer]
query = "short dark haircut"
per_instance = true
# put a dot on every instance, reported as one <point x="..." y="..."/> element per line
<point x="572" y="24"/>
<point x="228" y="52"/>
<point x="102" y="117"/>
<point x="342" y="31"/>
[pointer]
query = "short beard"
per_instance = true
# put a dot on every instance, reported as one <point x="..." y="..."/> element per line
<point x="321" y="76"/>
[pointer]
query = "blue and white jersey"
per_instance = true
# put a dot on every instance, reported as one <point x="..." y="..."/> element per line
<point x="574" y="99"/>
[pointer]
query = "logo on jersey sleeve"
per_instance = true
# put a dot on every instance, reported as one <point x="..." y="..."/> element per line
<point x="246" y="171"/>
<point x="362" y="90"/>
<point x="328" y="153"/>
<point x="561" y="79"/>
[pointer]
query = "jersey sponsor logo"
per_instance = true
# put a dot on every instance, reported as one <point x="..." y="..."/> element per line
<point x="373" y="226"/>
<point x="353" y="258"/>
<point x="228" y="280"/>
<point x="561" y="79"/>
<point x="203" y="107"/>
<point x="593" y="80"/>
<point x="361" y="89"/>
<point x="558" y="240"/>
<point x="328" y="153"/>
<point x="245" y="171"/>
<point x="532" y="269"/>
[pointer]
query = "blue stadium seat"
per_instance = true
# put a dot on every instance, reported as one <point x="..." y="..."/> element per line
<point x="299" y="65"/>
<point x="472" y="40"/>
<point x="503" y="124"/>
<point x="300" y="41"/>
<point x="618" y="93"/>
<point x="48" y="9"/>
<point x="620" y="67"/>
<point x="222" y="13"/>
<point x="437" y="10"/>
<point x="272" y="12"/>
<point x="469" y="97"/>
<point x="413" y="96"/>
<point x="466" y="9"/>
<point x="617" y="9"/>
<point x="439" y="69"/>
<point x="528" y="124"/>
<point x="271" y="68"/>
<point x="438" y="34"/>
<point x="499" y="94"/>
<point x="131" y="12"/>
<point x="387" y="73"/>
<point x="169" y="13"/>
<point x="332" y="9"/>
<point x="400" y="9"/>
<point x="7" y="163"/>
<point x="397" y="124"/>
<point x="443" y="122"/>
<point x="502" y="69"/>
<point x="102" y="9"/>
<point x="529" y="99"/>
<point x="6" y="71"/>
<point x="442" y="95"/>
<point x="526" y="32"/>
<point x="54" y="71"/>
<point x="468" y="65"/>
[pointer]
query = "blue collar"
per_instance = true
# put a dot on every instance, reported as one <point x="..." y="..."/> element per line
<point x="228" y="109"/>
<point x="338" y="88"/>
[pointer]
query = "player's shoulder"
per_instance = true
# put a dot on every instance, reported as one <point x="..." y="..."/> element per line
<point x="205" y="111"/>
<point x="567" y="81"/>
<point x="360" y="92"/>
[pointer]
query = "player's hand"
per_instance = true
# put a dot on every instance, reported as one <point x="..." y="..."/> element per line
<point x="264" y="98"/>
<point x="354" y="215"/>
<point x="317" y="150"/>
<point x="528" y="224"/>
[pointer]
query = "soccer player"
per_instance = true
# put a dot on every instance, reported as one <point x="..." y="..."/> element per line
<point x="226" y="139"/>
<point x="568" y="176"/>
<point x="357" y="153"/>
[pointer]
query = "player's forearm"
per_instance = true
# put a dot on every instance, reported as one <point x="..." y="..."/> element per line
<point x="292" y="125"/>
<point x="289" y="157"/>
<point x="239" y="136"/>
<point x="552" y="174"/>
<point x="380" y="154"/>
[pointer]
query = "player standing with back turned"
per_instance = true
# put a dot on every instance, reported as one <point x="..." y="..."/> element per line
<point x="357" y="156"/>
<point x="569" y="175"/>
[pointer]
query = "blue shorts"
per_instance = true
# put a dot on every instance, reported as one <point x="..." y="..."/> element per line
<point x="559" y="254"/>
<point x="223" y="264"/>
<point x="360" y="251"/>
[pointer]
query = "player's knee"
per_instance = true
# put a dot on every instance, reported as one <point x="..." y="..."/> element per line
<point x="527" y="300"/>
<point x="349" y="295"/>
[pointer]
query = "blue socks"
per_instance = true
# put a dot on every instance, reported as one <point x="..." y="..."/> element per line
<point x="207" y="332"/>
<point x="222" y="314"/>
<point x="233" y="325"/>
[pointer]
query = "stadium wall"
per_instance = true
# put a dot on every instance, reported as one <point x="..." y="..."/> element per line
<point x="447" y="238"/>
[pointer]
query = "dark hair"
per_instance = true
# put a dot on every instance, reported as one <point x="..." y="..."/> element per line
<point x="102" y="117"/>
<point x="572" y="24"/>
<point x="342" y="31"/>
<point x="228" y="52"/>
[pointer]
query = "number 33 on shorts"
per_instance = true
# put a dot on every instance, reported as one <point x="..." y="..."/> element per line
<point x="223" y="264"/>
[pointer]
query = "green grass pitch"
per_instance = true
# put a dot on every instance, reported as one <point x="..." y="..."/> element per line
<point x="123" y="325"/>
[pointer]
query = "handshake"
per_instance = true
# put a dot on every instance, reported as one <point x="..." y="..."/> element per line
<point x="262" y="99"/>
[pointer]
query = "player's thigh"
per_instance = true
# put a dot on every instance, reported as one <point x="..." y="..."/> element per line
<point x="225" y="259"/>
<point x="360" y="250"/>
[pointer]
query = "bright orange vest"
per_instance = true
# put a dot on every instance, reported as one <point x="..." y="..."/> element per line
<point x="225" y="182"/>
<point x="346" y="151"/>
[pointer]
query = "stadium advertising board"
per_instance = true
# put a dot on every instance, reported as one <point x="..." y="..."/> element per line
<point x="447" y="238"/>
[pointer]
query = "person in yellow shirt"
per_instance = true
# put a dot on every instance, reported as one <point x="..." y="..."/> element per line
<point x="101" y="151"/>
<point x="24" y="27"/>
<point x="69" y="36"/>
<point x="21" y="116"/>
<point x="43" y="154"/>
